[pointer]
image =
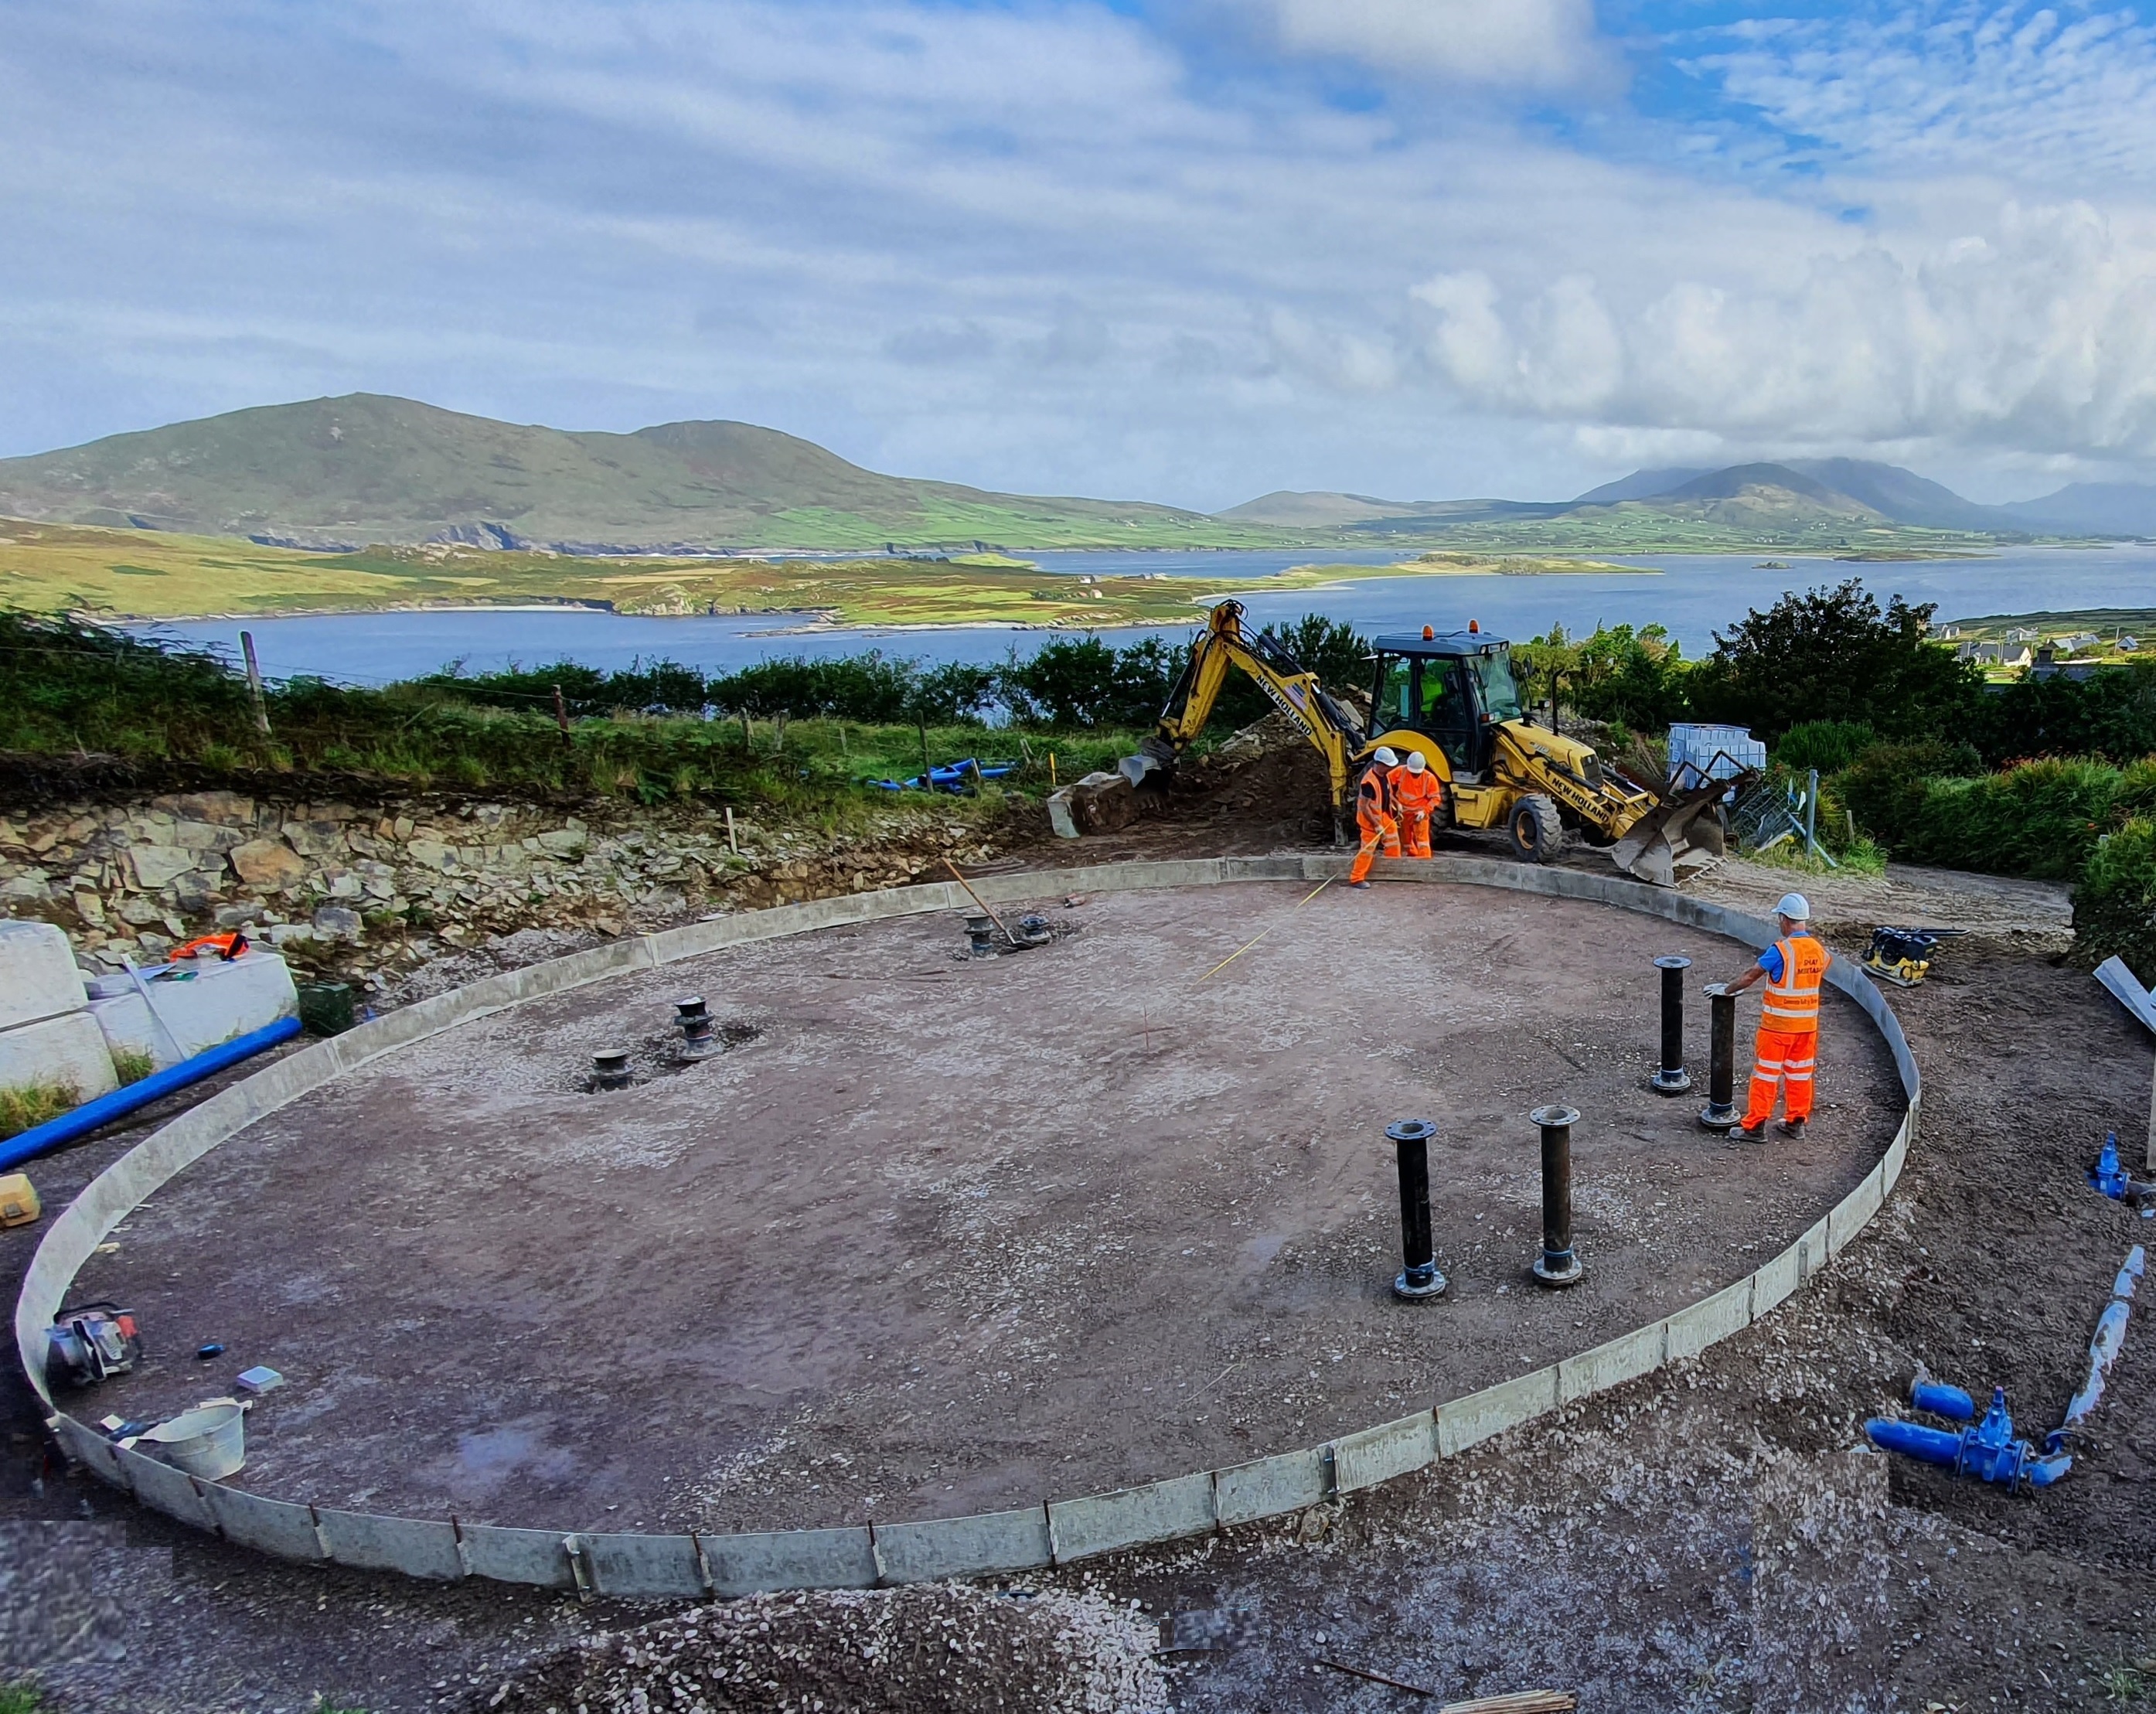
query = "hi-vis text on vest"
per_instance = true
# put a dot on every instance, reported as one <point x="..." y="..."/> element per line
<point x="1792" y="998"/>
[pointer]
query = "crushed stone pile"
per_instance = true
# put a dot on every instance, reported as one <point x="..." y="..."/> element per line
<point x="924" y="1650"/>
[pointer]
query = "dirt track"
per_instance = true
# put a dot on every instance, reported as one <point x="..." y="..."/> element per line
<point x="1717" y="1538"/>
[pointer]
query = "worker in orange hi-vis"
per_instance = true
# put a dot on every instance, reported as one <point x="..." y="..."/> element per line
<point x="1373" y="816"/>
<point x="1416" y="794"/>
<point x="1787" y="1054"/>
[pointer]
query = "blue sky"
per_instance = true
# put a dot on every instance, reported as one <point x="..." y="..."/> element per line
<point x="1188" y="250"/>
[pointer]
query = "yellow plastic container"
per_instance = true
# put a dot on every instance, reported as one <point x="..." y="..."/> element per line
<point x="18" y="1200"/>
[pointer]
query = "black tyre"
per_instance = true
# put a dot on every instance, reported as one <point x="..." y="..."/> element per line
<point x="1536" y="833"/>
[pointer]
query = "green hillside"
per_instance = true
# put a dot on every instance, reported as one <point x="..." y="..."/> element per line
<point x="344" y="472"/>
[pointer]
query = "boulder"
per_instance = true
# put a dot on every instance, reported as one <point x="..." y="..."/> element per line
<point x="268" y="863"/>
<point x="158" y="866"/>
<point x="1099" y="803"/>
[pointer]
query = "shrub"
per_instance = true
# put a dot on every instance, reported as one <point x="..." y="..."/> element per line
<point x="1828" y="745"/>
<point x="2113" y="714"/>
<point x="1887" y="788"/>
<point x="2040" y="818"/>
<point x="2114" y="905"/>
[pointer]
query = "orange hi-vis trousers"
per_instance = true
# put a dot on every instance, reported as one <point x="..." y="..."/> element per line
<point x="1787" y="1061"/>
<point x="1417" y="797"/>
<point x="1386" y="832"/>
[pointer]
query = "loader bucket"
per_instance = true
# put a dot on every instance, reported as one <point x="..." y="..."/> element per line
<point x="1682" y="823"/>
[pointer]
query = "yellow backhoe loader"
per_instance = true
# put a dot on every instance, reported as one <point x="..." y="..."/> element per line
<point x="1452" y="696"/>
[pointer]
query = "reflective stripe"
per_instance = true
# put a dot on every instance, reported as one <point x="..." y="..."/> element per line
<point x="1792" y="997"/>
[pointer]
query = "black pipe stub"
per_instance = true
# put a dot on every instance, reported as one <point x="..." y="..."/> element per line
<point x="1418" y="1277"/>
<point x="1671" y="1077"/>
<point x="980" y="935"/>
<point x="699" y="1034"/>
<point x="610" y="1068"/>
<point x="1720" y="1113"/>
<point x="1557" y="1265"/>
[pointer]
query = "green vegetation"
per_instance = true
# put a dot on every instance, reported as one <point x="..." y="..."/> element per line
<point x="22" y="1697"/>
<point x="20" y="1110"/>
<point x="1636" y="528"/>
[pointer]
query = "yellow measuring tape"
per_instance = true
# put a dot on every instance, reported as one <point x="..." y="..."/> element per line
<point x="1264" y="931"/>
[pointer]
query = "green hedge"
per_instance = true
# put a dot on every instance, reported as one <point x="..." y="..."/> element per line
<point x="2114" y="905"/>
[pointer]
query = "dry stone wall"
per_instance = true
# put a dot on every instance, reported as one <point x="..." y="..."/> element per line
<point x="369" y="889"/>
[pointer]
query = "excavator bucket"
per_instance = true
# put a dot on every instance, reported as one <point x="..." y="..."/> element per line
<point x="1682" y="824"/>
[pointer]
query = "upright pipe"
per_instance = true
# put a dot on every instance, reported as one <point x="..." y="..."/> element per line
<point x="1720" y="1113"/>
<point x="1418" y="1277"/>
<point x="1672" y="1079"/>
<point x="28" y="1144"/>
<point x="1557" y="1266"/>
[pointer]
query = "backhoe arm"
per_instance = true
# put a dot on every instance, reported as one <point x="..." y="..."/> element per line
<point x="1321" y="718"/>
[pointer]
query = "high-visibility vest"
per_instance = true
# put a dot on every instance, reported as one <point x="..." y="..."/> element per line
<point x="1371" y="800"/>
<point x="1792" y="1002"/>
<point x="1413" y="791"/>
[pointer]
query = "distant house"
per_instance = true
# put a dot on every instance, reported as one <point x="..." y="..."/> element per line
<point x="1950" y="633"/>
<point x="2127" y="645"/>
<point x="2078" y="642"/>
<point x="1983" y="654"/>
<point x="2012" y="656"/>
<point x="2021" y="633"/>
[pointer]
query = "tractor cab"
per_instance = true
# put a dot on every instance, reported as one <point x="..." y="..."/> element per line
<point x="1454" y="688"/>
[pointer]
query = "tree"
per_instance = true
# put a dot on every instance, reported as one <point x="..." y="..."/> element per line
<point x="1833" y="654"/>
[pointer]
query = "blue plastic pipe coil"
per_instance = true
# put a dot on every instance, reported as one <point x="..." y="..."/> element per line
<point x="80" y="1122"/>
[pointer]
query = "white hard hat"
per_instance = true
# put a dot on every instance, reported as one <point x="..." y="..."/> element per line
<point x="1795" y="907"/>
<point x="1416" y="764"/>
<point x="1385" y="755"/>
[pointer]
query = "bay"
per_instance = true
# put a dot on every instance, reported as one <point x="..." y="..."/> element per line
<point x="1691" y="595"/>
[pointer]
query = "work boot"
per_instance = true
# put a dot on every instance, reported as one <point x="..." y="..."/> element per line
<point x="1360" y="886"/>
<point x="1791" y="1127"/>
<point x="1751" y="1133"/>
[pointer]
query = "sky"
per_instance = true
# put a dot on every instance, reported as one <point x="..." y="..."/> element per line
<point x="1181" y="250"/>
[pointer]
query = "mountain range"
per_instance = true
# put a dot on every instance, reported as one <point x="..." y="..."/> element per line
<point x="1774" y="496"/>
<point x="338" y="474"/>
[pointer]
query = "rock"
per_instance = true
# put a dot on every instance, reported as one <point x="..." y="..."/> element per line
<point x="564" y="841"/>
<point x="139" y="911"/>
<point x="268" y="863"/>
<point x="345" y="886"/>
<point x="284" y="934"/>
<point x="30" y="884"/>
<point x="90" y="908"/>
<point x="158" y="866"/>
<point x="203" y="836"/>
<point x="316" y="838"/>
<point x="1099" y="803"/>
<point x="194" y="891"/>
<point x="431" y="853"/>
<point x="337" y="923"/>
<point x="225" y="808"/>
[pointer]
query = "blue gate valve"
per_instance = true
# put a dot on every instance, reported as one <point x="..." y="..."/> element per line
<point x="2109" y="1177"/>
<point x="1990" y="1451"/>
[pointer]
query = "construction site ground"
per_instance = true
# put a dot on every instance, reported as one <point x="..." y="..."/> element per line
<point x="1716" y="1537"/>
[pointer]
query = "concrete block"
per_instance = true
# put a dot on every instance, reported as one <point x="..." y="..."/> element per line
<point x="163" y="1489"/>
<point x="1130" y="1517"/>
<point x="1697" y="1325"/>
<point x="1098" y="803"/>
<point x="417" y="1547"/>
<point x="221" y="1001"/>
<point x="1776" y="1280"/>
<point x="509" y="1556"/>
<point x="790" y="1559"/>
<point x="1462" y="1422"/>
<point x="68" y="1050"/>
<point x="648" y="1567"/>
<point x="1271" y="1487"/>
<point x="273" y="1527"/>
<point x="1624" y="1358"/>
<point x="38" y="974"/>
<point x="1390" y="1449"/>
<point x="1854" y="1212"/>
<point x="962" y="1546"/>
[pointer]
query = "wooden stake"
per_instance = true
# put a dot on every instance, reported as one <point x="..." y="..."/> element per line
<point x="733" y="842"/>
<point x="255" y="683"/>
<point x="561" y="717"/>
<point x="979" y="900"/>
<point x="1051" y="767"/>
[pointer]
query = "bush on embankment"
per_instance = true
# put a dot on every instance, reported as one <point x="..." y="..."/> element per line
<point x="2114" y="905"/>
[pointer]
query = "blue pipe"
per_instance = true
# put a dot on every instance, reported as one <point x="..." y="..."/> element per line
<point x="29" y="1144"/>
<point x="1931" y="1445"/>
<point x="1942" y="1400"/>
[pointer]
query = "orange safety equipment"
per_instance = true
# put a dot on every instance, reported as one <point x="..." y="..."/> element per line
<point x="1792" y="998"/>
<point x="227" y="947"/>
<point x="1417" y="794"/>
<point x="1373" y="818"/>
<point x="1786" y="1058"/>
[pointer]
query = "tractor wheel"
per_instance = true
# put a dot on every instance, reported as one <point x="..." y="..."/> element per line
<point x="1536" y="831"/>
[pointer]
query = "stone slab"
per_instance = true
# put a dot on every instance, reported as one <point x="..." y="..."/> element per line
<point x="1270" y="1487"/>
<point x="67" y="1051"/>
<point x="38" y="974"/>
<point x="963" y="1547"/>
<point x="1130" y="1517"/>
<point x="791" y="1559"/>
<point x="1393" y="1448"/>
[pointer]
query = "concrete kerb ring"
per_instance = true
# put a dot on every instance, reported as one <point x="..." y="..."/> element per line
<point x="692" y="1566"/>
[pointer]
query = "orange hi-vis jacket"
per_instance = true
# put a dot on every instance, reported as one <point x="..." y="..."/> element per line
<point x="1791" y="1006"/>
<point x="1417" y="794"/>
<point x="1373" y="805"/>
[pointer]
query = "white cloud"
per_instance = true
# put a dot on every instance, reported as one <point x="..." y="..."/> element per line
<point x="1538" y="44"/>
<point x="2039" y="334"/>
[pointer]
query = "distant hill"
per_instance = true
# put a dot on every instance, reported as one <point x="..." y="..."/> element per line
<point x="1767" y="499"/>
<point x="343" y="473"/>
<point x="2089" y="508"/>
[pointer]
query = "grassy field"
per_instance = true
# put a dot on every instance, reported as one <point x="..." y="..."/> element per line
<point x="1639" y="529"/>
<point x="145" y="574"/>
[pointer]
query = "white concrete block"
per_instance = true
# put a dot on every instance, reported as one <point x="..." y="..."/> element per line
<point x="68" y="1050"/>
<point x="38" y="974"/>
<point x="220" y="1002"/>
